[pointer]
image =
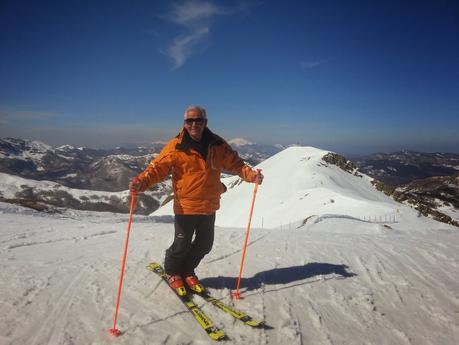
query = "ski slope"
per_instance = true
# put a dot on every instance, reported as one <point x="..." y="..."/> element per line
<point x="334" y="280"/>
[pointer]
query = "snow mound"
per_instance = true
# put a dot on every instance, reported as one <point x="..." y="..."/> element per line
<point x="299" y="184"/>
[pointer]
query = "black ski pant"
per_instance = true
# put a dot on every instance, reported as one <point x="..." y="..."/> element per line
<point x="185" y="253"/>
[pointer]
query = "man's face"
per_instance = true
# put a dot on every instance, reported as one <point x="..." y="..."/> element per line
<point x="195" y="124"/>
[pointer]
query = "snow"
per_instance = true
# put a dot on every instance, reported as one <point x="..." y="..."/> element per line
<point x="449" y="211"/>
<point x="35" y="150"/>
<point x="39" y="146"/>
<point x="66" y="148"/>
<point x="11" y="184"/>
<point x="125" y="157"/>
<point x="332" y="279"/>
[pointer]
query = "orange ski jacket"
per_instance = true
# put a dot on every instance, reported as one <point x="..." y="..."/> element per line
<point x="195" y="180"/>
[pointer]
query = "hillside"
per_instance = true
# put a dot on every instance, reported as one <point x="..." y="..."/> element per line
<point x="400" y="168"/>
<point x="78" y="168"/>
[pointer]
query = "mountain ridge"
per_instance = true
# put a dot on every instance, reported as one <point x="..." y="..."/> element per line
<point x="79" y="168"/>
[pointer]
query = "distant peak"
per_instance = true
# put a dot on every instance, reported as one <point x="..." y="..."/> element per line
<point x="65" y="148"/>
<point x="239" y="142"/>
<point x="27" y="143"/>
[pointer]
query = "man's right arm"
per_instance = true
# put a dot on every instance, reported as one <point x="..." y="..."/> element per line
<point x="157" y="171"/>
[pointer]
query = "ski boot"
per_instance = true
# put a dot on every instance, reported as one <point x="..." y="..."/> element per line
<point x="176" y="283"/>
<point x="193" y="283"/>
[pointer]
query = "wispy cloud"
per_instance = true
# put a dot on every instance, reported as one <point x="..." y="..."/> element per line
<point x="313" y="64"/>
<point x="196" y="18"/>
<point x="184" y="46"/>
<point x="194" y="14"/>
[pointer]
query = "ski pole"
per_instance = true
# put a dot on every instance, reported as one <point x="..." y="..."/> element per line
<point x="236" y="293"/>
<point x="114" y="331"/>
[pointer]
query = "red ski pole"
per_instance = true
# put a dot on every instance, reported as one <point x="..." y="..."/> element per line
<point x="114" y="331"/>
<point x="236" y="293"/>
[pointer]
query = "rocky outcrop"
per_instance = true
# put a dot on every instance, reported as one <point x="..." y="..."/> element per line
<point x="427" y="195"/>
<point x="342" y="162"/>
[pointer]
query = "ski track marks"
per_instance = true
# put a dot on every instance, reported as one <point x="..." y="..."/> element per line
<point x="73" y="239"/>
<point x="53" y="326"/>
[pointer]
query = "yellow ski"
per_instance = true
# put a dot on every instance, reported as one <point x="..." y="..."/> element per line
<point x="203" y="320"/>
<point x="237" y="314"/>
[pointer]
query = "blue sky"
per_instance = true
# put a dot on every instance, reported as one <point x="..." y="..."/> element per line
<point x="350" y="76"/>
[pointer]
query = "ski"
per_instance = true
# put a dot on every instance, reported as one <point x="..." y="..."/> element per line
<point x="203" y="320"/>
<point x="237" y="314"/>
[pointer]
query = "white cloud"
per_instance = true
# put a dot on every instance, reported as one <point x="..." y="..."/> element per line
<point x="196" y="17"/>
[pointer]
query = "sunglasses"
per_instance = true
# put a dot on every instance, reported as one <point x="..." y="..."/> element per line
<point x="198" y="121"/>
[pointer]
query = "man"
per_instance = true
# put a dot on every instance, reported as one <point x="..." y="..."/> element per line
<point x="195" y="158"/>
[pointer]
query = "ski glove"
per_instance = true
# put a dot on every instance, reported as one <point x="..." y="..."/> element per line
<point x="136" y="185"/>
<point x="259" y="177"/>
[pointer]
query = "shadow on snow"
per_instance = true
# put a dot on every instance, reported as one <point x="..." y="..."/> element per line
<point x="279" y="276"/>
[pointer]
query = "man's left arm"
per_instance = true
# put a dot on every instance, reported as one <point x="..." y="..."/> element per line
<point x="233" y="163"/>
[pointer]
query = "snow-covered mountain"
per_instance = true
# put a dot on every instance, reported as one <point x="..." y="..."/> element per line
<point x="236" y="142"/>
<point x="300" y="186"/>
<point x="81" y="168"/>
<point x="110" y="171"/>
<point x="39" y="176"/>
<point x="254" y="153"/>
